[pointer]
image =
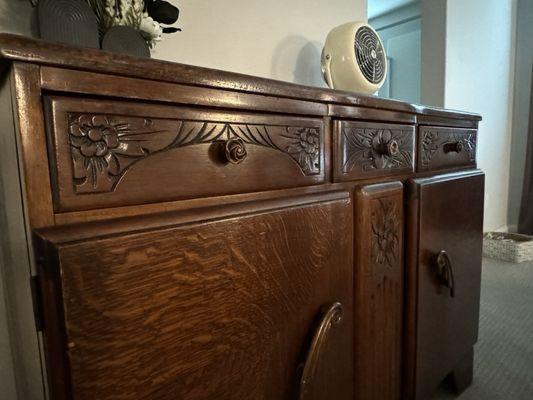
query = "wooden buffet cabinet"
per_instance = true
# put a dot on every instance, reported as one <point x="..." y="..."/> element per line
<point x="197" y="234"/>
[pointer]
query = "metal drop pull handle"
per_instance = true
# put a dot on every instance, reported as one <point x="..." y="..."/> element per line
<point x="331" y="318"/>
<point x="454" y="147"/>
<point x="445" y="271"/>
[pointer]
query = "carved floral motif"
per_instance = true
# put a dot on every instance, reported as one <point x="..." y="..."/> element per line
<point x="305" y="147"/>
<point x="365" y="149"/>
<point x="103" y="147"/>
<point x="386" y="227"/>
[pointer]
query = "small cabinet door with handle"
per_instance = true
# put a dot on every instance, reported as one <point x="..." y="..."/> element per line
<point x="443" y="279"/>
<point x="250" y="302"/>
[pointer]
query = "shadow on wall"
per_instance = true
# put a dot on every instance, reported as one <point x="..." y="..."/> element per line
<point x="17" y="16"/>
<point x="304" y="55"/>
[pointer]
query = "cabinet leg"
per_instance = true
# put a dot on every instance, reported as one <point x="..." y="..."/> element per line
<point x="461" y="376"/>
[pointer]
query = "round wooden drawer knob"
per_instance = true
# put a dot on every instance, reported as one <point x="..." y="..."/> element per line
<point x="393" y="148"/>
<point x="235" y="150"/>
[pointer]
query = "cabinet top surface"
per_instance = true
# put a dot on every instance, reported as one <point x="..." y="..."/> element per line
<point x="19" y="48"/>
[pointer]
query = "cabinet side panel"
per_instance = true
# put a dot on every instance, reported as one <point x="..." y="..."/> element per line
<point x="22" y="340"/>
<point x="378" y="291"/>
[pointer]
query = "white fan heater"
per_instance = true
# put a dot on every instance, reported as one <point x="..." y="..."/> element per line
<point x="354" y="59"/>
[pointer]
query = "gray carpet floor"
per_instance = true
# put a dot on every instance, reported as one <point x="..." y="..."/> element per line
<point x="503" y="364"/>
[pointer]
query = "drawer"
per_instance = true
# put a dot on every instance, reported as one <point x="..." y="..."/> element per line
<point x="113" y="153"/>
<point x="364" y="150"/>
<point x="440" y="148"/>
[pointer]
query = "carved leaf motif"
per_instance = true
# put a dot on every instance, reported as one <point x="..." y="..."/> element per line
<point x="430" y="144"/>
<point x="469" y="144"/>
<point x="104" y="147"/>
<point x="363" y="149"/>
<point x="385" y="233"/>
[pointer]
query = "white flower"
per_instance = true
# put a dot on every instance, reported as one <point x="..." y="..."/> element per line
<point x="151" y="28"/>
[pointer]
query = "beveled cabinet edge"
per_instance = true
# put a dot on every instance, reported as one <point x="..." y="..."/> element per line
<point x="99" y="84"/>
<point x="73" y="233"/>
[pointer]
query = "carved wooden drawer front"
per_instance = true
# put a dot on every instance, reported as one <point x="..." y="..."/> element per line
<point x="364" y="150"/>
<point x="110" y="153"/>
<point x="440" y="148"/>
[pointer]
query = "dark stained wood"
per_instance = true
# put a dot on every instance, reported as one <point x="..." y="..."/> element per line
<point x="462" y="375"/>
<point x="13" y="47"/>
<point x="443" y="323"/>
<point x="432" y="120"/>
<point x="196" y="229"/>
<point x="107" y="153"/>
<point x="340" y="111"/>
<point x="378" y="291"/>
<point x="31" y="138"/>
<point x="103" y="214"/>
<point x="220" y="309"/>
<point x="440" y="148"/>
<point x="97" y="84"/>
<point x="363" y="150"/>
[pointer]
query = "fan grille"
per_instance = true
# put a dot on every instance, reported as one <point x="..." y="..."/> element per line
<point x="369" y="54"/>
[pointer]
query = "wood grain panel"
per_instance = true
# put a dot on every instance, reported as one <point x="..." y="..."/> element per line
<point x="378" y="291"/>
<point x="220" y="309"/>
<point x="440" y="148"/>
<point x="365" y="150"/>
<point x="447" y="215"/>
<point x="110" y="153"/>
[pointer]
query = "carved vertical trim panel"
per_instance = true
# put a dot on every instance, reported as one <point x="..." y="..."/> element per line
<point x="378" y="290"/>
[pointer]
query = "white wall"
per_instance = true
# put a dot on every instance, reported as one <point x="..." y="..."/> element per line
<point x="16" y="17"/>
<point x="479" y="78"/>
<point x="400" y="32"/>
<point x="433" y="52"/>
<point x="278" y="39"/>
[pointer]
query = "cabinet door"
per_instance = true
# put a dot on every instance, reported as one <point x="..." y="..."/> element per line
<point x="250" y="302"/>
<point x="444" y="275"/>
<point x="378" y="291"/>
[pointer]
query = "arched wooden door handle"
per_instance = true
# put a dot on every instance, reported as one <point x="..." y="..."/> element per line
<point x="331" y="318"/>
<point x="445" y="271"/>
